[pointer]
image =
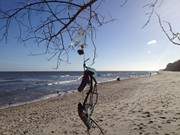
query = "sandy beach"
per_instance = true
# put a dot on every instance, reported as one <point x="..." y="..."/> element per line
<point x="141" y="106"/>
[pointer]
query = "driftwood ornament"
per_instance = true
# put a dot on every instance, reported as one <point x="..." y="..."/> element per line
<point x="86" y="107"/>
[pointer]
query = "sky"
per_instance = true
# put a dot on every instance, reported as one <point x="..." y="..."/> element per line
<point x="122" y="45"/>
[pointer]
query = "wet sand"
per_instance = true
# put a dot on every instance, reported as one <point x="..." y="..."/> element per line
<point x="147" y="106"/>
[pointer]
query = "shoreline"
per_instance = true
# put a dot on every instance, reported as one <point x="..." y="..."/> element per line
<point x="55" y="95"/>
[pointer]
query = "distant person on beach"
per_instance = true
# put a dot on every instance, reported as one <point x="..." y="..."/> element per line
<point x="118" y="78"/>
<point x="150" y="74"/>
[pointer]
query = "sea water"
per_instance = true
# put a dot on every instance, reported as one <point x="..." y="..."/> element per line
<point x="21" y="87"/>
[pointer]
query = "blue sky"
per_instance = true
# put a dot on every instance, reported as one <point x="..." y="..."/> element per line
<point x="121" y="44"/>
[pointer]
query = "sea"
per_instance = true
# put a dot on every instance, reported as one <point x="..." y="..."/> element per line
<point x="23" y="87"/>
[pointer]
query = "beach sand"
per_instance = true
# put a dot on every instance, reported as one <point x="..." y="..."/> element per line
<point x="141" y="106"/>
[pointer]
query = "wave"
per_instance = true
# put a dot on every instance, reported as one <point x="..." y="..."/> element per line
<point x="64" y="76"/>
<point x="61" y="82"/>
<point x="10" y="81"/>
<point x="64" y="82"/>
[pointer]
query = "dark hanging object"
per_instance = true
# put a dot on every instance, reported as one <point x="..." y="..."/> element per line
<point x="86" y="108"/>
<point x="80" y="51"/>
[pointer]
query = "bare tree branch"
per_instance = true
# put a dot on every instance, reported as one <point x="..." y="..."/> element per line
<point x="151" y="6"/>
<point x="54" y="24"/>
<point x="124" y="3"/>
<point x="171" y="35"/>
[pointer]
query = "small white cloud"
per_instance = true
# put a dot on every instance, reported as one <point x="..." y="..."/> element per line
<point x="149" y="52"/>
<point x="151" y="42"/>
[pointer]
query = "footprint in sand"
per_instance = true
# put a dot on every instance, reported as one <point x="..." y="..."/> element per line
<point x="147" y="114"/>
<point x="150" y="122"/>
<point x="162" y="117"/>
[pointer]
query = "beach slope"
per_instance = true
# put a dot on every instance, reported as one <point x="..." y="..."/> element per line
<point x="147" y="106"/>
